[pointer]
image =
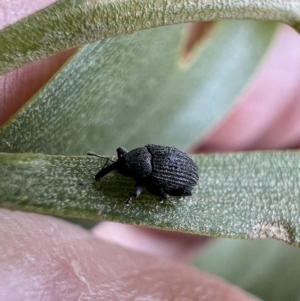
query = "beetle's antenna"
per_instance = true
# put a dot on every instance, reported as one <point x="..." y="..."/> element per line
<point x="88" y="182"/>
<point x="102" y="157"/>
<point x="99" y="156"/>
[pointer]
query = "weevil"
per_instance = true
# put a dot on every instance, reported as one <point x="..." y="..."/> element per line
<point x="163" y="170"/>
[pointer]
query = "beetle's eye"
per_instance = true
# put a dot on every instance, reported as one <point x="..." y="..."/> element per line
<point x="121" y="151"/>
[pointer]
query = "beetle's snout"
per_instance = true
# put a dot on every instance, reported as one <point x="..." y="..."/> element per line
<point x="104" y="171"/>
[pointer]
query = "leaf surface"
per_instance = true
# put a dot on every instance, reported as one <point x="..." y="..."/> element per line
<point x="70" y="23"/>
<point x="242" y="195"/>
<point x="135" y="89"/>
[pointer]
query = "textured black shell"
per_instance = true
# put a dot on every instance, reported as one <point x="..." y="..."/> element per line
<point x="173" y="171"/>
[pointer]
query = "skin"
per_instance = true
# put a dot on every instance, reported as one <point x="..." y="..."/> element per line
<point x="44" y="258"/>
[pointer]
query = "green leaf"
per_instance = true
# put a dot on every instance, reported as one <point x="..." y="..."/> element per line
<point x="243" y="195"/>
<point x="132" y="90"/>
<point x="70" y="23"/>
<point x="268" y="269"/>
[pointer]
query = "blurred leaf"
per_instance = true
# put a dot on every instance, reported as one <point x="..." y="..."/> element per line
<point x="268" y="269"/>
<point x="70" y="23"/>
<point x="132" y="90"/>
<point x="242" y="195"/>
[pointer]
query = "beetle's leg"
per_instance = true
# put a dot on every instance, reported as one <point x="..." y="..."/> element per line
<point x="136" y="192"/>
<point x="121" y="151"/>
<point x="163" y="196"/>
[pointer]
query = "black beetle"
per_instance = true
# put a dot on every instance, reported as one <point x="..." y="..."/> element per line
<point x="162" y="170"/>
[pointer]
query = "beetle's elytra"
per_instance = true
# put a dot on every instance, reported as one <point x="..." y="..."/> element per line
<point x="162" y="170"/>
